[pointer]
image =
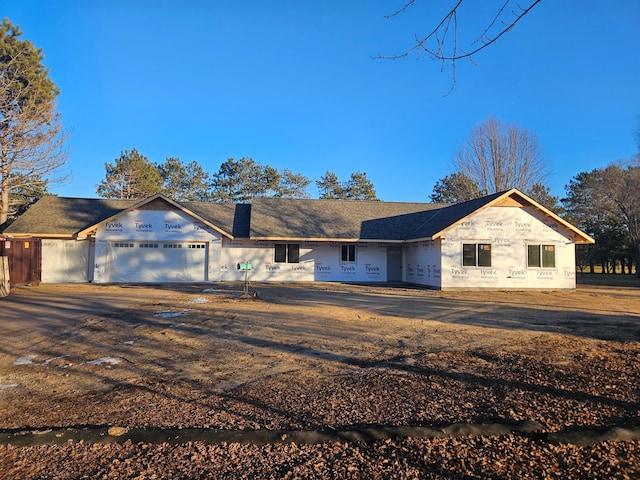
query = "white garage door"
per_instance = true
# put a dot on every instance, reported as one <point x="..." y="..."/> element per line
<point x="156" y="262"/>
<point x="65" y="261"/>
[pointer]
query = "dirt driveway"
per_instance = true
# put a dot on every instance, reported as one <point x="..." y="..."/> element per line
<point x="321" y="356"/>
<point x="52" y="307"/>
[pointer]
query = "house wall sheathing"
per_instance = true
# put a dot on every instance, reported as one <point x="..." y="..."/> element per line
<point x="422" y="263"/>
<point x="434" y="263"/>
<point x="319" y="261"/>
<point x="509" y="230"/>
<point x="151" y="226"/>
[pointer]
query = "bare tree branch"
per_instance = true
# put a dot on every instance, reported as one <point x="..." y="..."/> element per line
<point x="493" y="22"/>
<point x="442" y="42"/>
<point x="401" y="9"/>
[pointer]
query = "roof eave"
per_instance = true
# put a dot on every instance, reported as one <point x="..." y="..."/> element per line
<point x="61" y="236"/>
<point x="323" y="239"/>
<point x="580" y="237"/>
<point x="420" y="239"/>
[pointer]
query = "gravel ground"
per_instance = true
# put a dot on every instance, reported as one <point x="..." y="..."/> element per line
<point x="333" y="358"/>
<point x="459" y="458"/>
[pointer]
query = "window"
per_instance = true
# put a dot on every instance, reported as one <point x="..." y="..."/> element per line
<point x="281" y="253"/>
<point x="148" y="245"/>
<point x="287" y="252"/>
<point x="541" y="256"/>
<point x="123" y="245"/>
<point x="476" y="254"/>
<point x="348" y="253"/>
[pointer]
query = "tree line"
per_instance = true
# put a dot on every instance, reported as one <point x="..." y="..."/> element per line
<point x="134" y="176"/>
<point x="605" y="203"/>
<point x="497" y="156"/>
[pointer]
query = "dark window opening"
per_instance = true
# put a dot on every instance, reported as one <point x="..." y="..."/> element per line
<point x="348" y="253"/>
<point x="541" y="256"/>
<point x="287" y="253"/>
<point x="281" y="253"/>
<point x="476" y="254"/>
<point x="293" y="253"/>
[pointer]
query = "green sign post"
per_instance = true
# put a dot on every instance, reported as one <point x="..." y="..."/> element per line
<point x="246" y="266"/>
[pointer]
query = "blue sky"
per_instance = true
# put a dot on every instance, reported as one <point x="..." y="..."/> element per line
<point x="291" y="84"/>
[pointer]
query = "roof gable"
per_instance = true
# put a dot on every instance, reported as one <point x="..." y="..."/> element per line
<point x="160" y="202"/>
<point x="453" y="215"/>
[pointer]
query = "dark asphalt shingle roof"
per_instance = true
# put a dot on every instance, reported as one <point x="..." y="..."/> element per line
<point x="450" y="215"/>
<point x="335" y="219"/>
<point x="339" y="219"/>
<point x="231" y="219"/>
<point x="53" y="215"/>
<point x="266" y="218"/>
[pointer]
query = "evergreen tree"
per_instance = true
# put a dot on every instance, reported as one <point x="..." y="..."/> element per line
<point x="542" y="194"/>
<point x="330" y="187"/>
<point x="32" y="138"/>
<point x="245" y="179"/>
<point x="358" y="187"/>
<point x="606" y="205"/>
<point x="292" y="185"/>
<point x="132" y="176"/>
<point x="235" y="181"/>
<point x="184" y="182"/>
<point x="455" y="188"/>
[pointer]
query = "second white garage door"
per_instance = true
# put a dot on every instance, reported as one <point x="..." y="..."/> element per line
<point x="154" y="262"/>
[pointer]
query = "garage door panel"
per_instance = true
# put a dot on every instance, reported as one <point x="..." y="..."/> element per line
<point x="65" y="261"/>
<point x="156" y="262"/>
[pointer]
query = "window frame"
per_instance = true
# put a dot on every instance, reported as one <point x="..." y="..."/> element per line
<point x="286" y="253"/>
<point x="348" y="253"/>
<point x="541" y="260"/>
<point x="293" y="253"/>
<point x="477" y="254"/>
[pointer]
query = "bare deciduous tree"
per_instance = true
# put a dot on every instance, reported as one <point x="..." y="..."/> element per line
<point x="32" y="138"/>
<point x="499" y="156"/>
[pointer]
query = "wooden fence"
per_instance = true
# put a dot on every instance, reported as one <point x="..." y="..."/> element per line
<point x="24" y="256"/>
<point x="4" y="276"/>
